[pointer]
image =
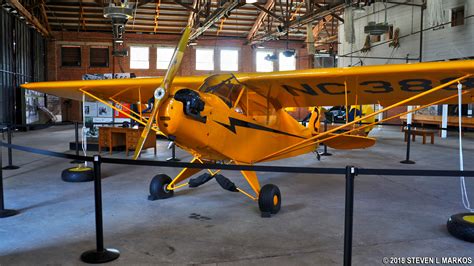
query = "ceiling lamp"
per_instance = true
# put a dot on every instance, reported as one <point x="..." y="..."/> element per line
<point x="374" y="28"/>
<point x="119" y="14"/>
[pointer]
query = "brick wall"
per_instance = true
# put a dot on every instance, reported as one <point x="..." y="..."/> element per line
<point x="71" y="109"/>
<point x="121" y="64"/>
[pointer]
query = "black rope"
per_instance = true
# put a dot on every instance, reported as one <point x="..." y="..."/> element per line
<point x="257" y="168"/>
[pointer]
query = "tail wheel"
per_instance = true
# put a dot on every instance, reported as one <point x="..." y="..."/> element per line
<point x="461" y="226"/>
<point x="158" y="187"/>
<point x="269" y="200"/>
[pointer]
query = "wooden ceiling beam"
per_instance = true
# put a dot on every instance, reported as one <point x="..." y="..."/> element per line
<point x="260" y="19"/>
<point x="29" y="17"/>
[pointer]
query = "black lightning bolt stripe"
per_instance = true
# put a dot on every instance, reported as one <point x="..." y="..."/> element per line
<point x="233" y="122"/>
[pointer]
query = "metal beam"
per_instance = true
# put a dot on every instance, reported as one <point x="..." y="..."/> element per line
<point x="266" y="10"/>
<point x="29" y="17"/>
<point x="261" y="17"/>
<point x="308" y="18"/>
<point x="216" y="16"/>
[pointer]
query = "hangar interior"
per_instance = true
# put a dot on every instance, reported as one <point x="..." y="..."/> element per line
<point x="394" y="217"/>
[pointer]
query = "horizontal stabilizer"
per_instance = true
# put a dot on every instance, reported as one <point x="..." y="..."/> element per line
<point x="349" y="142"/>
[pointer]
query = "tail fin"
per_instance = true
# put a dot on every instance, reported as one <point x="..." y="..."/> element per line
<point x="314" y="121"/>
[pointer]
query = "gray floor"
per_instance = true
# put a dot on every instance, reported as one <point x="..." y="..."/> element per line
<point x="394" y="216"/>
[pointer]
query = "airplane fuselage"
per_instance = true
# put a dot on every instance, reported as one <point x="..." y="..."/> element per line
<point x="203" y="124"/>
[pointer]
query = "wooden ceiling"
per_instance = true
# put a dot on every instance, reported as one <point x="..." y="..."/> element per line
<point x="170" y="17"/>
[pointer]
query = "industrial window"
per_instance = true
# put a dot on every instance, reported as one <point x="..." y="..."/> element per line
<point x="457" y="16"/>
<point x="229" y="60"/>
<point x="264" y="61"/>
<point x="286" y="63"/>
<point x="139" y="57"/>
<point x="71" y="56"/>
<point x="163" y="57"/>
<point x="99" y="57"/>
<point x="204" y="59"/>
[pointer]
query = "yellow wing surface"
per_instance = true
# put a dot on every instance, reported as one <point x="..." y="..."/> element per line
<point x="125" y="90"/>
<point x="385" y="84"/>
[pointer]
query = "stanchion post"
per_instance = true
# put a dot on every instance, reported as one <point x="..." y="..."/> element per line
<point x="325" y="153"/>
<point x="76" y="139"/>
<point x="3" y="212"/>
<point x="351" y="172"/>
<point x="10" y="165"/>
<point x="100" y="254"/>
<point x="407" y="159"/>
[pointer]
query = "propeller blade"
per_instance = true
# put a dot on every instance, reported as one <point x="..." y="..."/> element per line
<point x="162" y="92"/>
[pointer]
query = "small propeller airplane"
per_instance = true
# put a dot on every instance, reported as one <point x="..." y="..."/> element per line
<point x="240" y="118"/>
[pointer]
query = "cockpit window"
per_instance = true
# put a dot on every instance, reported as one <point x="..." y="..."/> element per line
<point x="225" y="86"/>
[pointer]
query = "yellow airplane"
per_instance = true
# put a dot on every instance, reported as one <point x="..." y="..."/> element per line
<point x="240" y="118"/>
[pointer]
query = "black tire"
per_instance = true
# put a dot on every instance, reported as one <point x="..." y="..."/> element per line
<point x="158" y="187"/>
<point x="269" y="200"/>
<point x="461" y="226"/>
<point x="78" y="174"/>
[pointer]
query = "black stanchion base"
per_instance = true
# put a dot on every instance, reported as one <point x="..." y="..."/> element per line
<point x="173" y="159"/>
<point x="8" y="213"/>
<point x="407" y="162"/>
<point x="96" y="257"/>
<point x="326" y="154"/>
<point x="11" y="167"/>
<point x="76" y="162"/>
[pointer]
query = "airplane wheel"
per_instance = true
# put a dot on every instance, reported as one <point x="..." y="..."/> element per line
<point x="269" y="200"/>
<point x="461" y="226"/>
<point x="158" y="187"/>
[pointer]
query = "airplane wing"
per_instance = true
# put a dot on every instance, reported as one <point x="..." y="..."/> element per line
<point x="124" y="90"/>
<point x="384" y="84"/>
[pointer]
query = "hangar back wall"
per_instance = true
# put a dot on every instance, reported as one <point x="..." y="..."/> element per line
<point x="86" y="40"/>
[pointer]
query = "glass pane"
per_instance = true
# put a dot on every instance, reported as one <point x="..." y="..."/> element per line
<point x="263" y="65"/>
<point x="229" y="60"/>
<point x="204" y="59"/>
<point x="163" y="57"/>
<point x="286" y="63"/>
<point x="139" y="58"/>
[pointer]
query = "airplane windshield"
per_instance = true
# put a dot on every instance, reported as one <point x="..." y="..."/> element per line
<point x="225" y="86"/>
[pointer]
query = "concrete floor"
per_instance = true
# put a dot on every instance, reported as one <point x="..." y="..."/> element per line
<point x="394" y="216"/>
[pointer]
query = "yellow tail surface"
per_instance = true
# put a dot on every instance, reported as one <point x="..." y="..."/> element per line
<point x="349" y="142"/>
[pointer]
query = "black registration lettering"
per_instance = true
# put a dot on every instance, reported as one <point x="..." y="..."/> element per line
<point x="306" y="90"/>
<point x="415" y="85"/>
<point x="377" y="86"/>
<point x="324" y="89"/>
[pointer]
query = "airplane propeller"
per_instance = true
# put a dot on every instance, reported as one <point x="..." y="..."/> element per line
<point x="162" y="92"/>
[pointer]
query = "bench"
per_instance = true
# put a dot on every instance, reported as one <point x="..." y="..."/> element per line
<point x="419" y="132"/>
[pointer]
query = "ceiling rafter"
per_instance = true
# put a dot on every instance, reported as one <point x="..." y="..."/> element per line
<point x="260" y="19"/>
<point x="29" y="17"/>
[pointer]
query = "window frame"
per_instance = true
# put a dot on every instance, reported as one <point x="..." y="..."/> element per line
<point x="148" y="57"/>
<point x="158" y="57"/>
<point x="268" y="51"/>
<point x="213" y="58"/>
<point x="62" y="55"/>
<point x="107" y="63"/>
<point x="234" y="49"/>
<point x="280" y="54"/>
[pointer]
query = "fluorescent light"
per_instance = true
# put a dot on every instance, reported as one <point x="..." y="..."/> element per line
<point x="251" y="1"/>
